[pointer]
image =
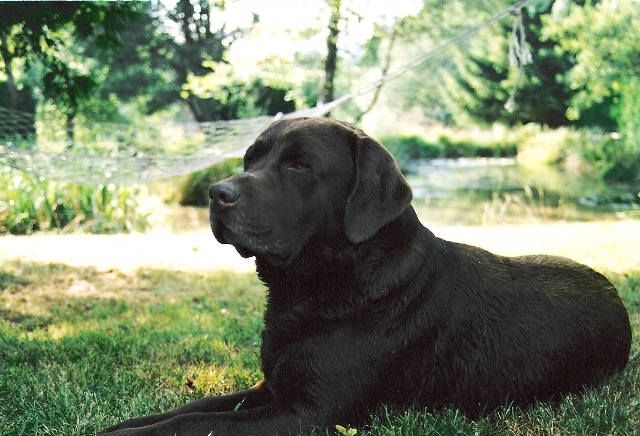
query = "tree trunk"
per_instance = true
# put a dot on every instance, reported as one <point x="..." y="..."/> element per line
<point x="11" y="86"/>
<point x="385" y="70"/>
<point x="332" y="52"/>
<point x="71" y="116"/>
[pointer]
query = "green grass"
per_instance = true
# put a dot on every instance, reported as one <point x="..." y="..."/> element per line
<point x="82" y="348"/>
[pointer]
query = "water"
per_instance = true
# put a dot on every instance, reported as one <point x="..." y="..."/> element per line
<point x="494" y="191"/>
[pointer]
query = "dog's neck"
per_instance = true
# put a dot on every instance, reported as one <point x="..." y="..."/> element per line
<point x="396" y="255"/>
<point x="341" y="271"/>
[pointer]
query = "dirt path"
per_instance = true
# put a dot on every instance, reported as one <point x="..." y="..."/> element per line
<point x="609" y="246"/>
<point x="184" y="252"/>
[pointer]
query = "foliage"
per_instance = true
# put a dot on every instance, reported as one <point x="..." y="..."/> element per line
<point x="580" y="64"/>
<point x="626" y="166"/>
<point x="29" y="205"/>
<point x="604" y="41"/>
<point x="608" y="156"/>
<point x="183" y="45"/>
<point x="42" y="34"/>
<point x="410" y="147"/>
<point x="176" y="40"/>
<point x="479" y="87"/>
<point x="449" y="143"/>
<point x="585" y="150"/>
<point x="195" y="191"/>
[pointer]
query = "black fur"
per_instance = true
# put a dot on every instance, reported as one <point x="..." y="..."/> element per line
<point x="366" y="307"/>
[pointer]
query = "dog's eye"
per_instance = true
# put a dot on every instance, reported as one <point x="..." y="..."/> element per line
<point x="299" y="166"/>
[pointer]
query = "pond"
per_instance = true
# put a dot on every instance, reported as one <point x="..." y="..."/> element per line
<point x="496" y="191"/>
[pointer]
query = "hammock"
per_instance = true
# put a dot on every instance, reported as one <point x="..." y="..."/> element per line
<point x="222" y="139"/>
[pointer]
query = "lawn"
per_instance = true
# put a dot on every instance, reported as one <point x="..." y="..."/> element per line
<point x="96" y="329"/>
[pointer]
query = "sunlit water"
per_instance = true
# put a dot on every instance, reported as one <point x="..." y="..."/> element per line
<point x="493" y="191"/>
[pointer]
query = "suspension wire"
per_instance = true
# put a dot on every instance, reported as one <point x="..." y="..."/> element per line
<point x="514" y="9"/>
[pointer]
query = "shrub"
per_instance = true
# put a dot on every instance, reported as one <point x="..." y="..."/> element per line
<point x="543" y="146"/>
<point x="625" y="165"/>
<point x="410" y="147"/>
<point x="447" y="144"/>
<point x="195" y="191"/>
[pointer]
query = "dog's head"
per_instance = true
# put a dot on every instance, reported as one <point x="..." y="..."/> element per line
<point x="304" y="179"/>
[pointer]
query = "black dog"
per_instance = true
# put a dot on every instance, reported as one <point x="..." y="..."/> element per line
<point x="366" y="307"/>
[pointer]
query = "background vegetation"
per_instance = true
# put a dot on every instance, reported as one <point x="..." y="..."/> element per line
<point x="195" y="60"/>
<point x="28" y="205"/>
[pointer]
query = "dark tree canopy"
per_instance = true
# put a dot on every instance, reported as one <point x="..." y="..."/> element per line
<point x="33" y="31"/>
<point x="42" y="34"/>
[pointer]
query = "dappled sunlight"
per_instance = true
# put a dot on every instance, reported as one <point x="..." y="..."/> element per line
<point x="203" y="379"/>
<point x="58" y="331"/>
<point x="57" y="300"/>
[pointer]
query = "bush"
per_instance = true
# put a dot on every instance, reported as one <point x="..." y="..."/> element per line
<point x="195" y="191"/>
<point x="543" y="146"/>
<point x="625" y="165"/>
<point x="412" y="147"/>
<point x="616" y="156"/>
<point x="28" y="205"/>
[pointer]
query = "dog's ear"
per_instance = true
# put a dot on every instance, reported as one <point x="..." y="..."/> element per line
<point x="380" y="192"/>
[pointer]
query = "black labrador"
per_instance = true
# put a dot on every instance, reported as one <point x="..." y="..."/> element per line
<point x="366" y="307"/>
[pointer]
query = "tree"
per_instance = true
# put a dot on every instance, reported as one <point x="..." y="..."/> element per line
<point x="416" y="35"/>
<point x="370" y="62"/>
<point x="41" y="34"/>
<point x="183" y="46"/>
<point x="330" y="63"/>
<point x="603" y="40"/>
<point x="308" y="75"/>
<point x="481" y="85"/>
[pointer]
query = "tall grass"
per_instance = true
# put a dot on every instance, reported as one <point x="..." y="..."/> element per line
<point x="28" y="205"/>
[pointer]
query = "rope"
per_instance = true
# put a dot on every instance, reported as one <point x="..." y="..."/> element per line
<point x="223" y="139"/>
<point x="515" y="9"/>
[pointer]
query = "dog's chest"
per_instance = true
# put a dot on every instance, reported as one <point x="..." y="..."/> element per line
<point x="304" y="316"/>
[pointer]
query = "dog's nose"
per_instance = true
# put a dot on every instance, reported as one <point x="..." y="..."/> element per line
<point x="224" y="194"/>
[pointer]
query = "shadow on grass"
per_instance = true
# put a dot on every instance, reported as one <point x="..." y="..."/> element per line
<point x="39" y="294"/>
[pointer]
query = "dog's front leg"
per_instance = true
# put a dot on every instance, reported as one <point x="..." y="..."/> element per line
<point x="263" y="421"/>
<point x="258" y="396"/>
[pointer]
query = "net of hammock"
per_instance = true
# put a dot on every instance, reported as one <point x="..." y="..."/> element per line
<point x="216" y="141"/>
<point x="219" y="140"/>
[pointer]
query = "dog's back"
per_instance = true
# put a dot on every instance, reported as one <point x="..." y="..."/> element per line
<point x="529" y="328"/>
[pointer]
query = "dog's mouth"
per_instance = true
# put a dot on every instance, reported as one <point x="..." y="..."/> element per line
<point x="246" y="249"/>
<point x="224" y="236"/>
